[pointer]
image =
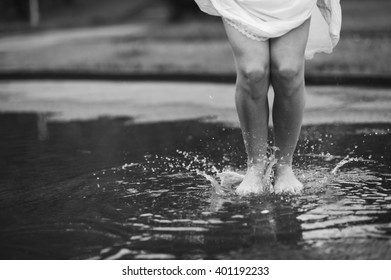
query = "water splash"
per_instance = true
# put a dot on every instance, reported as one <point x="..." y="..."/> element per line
<point x="198" y="210"/>
<point x="216" y="187"/>
<point x="328" y="177"/>
<point x="225" y="182"/>
<point x="343" y="162"/>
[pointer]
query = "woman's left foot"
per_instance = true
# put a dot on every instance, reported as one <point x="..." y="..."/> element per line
<point x="286" y="181"/>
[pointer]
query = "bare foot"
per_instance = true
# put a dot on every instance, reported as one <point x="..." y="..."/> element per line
<point x="286" y="181"/>
<point x="252" y="182"/>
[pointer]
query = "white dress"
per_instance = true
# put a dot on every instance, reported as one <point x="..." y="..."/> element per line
<point x="263" y="19"/>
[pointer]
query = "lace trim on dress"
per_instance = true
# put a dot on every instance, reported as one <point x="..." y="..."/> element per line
<point x="242" y="28"/>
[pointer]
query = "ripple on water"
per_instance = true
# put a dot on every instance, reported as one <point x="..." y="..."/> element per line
<point x="181" y="204"/>
<point x="338" y="205"/>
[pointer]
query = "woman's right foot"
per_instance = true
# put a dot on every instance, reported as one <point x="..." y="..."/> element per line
<point x="253" y="182"/>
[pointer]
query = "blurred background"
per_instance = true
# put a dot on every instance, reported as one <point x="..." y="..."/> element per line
<point x="165" y="37"/>
<point x="100" y="169"/>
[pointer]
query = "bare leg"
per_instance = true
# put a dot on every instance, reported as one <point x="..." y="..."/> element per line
<point x="287" y="76"/>
<point x="252" y="61"/>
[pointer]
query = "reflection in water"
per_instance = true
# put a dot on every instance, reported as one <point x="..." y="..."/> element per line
<point x="109" y="189"/>
<point x="42" y="125"/>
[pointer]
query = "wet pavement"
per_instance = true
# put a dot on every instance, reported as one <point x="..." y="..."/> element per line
<point x="131" y="170"/>
<point x="167" y="101"/>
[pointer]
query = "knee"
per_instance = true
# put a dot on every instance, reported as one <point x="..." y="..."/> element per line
<point x="253" y="79"/>
<point x="253" y="75"/>
<point x="288" y="72"/>
<point x="287" y="78"/>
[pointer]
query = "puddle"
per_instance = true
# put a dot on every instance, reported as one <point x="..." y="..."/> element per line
<point x="113" y="189"/>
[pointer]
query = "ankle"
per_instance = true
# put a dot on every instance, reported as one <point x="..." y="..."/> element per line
<point x="284" y="163"/>
<point x="283" y="166"/>
<point x="256" y="165"/>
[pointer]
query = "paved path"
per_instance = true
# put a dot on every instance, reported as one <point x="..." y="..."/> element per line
<point x="55" y="37"/>
<point x="158" y="101"/>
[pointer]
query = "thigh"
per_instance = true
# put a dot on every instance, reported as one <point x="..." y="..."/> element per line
<point x="289" y="49"/>
<point x="248" y="53"/>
